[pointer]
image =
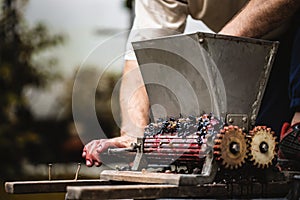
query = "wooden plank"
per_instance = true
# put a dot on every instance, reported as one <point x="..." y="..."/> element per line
<point x="117" y="191"/>
<point x="140" y="177"/>
<point x="155" y="177"/>
<point x="253" y="190"/>
<point x="53" y="186"/>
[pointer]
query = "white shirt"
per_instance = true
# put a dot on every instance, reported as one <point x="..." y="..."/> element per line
<point x="157" y="18"/>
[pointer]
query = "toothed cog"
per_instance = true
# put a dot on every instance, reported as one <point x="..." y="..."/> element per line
<point x="231" y="147"/>
<point x="262" y="147"/>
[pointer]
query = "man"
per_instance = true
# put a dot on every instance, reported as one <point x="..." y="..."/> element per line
<point x="256" y="18"/>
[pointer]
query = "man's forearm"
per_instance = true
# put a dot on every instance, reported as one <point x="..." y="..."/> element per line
<point x="134" y="101"/>
<point x="260" y="17"/>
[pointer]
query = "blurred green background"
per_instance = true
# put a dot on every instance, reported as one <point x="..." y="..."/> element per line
<point x="42" y="44"/>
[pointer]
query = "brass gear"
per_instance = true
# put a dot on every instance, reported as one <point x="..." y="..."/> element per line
<point x="262" y="146"/>
<point x="231" y="147"/>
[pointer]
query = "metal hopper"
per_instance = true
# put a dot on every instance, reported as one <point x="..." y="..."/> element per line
<point x="201" y="72"/>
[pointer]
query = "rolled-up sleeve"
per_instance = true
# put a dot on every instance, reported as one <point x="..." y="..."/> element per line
<point x="156" y="18"/>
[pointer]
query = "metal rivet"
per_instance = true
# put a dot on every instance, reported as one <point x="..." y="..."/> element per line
<point x="244" y="119"/>
<point x="77" y="171"/>
<point x="230" y="120"/>
<point x="201" y="40"/>
<point x="49" y="171"/>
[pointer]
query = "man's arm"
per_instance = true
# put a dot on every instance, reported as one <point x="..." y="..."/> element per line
<point x="163" y="18"/>
<point x="134" y="106"/>
<point x="259" y="17"/>
<point x="133" y="101"/>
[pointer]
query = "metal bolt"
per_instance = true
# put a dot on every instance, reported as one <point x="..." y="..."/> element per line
<point x="234" y="148"/>
<point x="49" y="171"/>
<point x="77" y="171"/>
<point x="264" y="147"/>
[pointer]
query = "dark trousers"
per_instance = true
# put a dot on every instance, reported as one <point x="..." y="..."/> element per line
<point x="282" y="95"/>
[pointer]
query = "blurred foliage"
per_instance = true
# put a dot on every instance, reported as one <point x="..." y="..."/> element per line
<point x="18" y="44"/>
<point x="22" y="136"/>
<point x="129" y="4"/>
<point x="104" y="101"/>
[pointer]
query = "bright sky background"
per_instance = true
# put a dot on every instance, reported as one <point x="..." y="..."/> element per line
<point x="82" y="21"/>
<point x="86" y="23"/>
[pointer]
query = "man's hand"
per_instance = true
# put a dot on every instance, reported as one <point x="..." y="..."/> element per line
<point x="91" y="151"/>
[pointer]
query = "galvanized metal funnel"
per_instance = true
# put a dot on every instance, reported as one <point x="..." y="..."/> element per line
<point x="201" y="72"/>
